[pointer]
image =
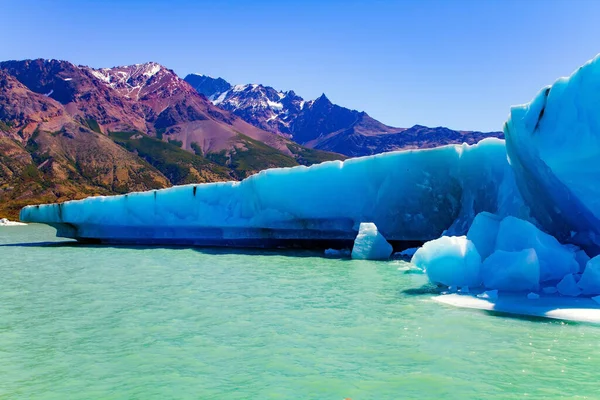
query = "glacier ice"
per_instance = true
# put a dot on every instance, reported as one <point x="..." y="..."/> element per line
<point x="483" y="233"/>
<point x="555" y="260"/>
<point x="590" y="279"/>
<point x="520" y="255"/>
<point x="553" y="144"/>
<point x="582" y="259"/>
<point x="512" y="270"/>
<point x="568" y="286"/>
<point x="370" y="244"/>
<point x="410" y="195"/>
<point x="450" y="260"/>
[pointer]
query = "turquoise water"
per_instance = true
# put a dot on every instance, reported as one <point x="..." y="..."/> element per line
<point x="130" y="323"/>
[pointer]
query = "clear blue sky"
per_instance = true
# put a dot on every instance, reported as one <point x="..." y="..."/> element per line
<point x="454" y="63"/>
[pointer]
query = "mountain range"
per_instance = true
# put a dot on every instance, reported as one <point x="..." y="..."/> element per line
<point x="69" y="131"/>
<point x="319" y="123"/>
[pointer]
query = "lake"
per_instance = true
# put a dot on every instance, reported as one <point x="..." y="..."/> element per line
<point x="83" y="322"/>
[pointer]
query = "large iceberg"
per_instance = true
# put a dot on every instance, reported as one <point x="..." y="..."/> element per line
<point x="410" y="195"/>
<point x="553" y="145"/>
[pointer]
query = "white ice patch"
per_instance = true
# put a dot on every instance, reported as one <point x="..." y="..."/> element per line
<point x="6" y="222"/>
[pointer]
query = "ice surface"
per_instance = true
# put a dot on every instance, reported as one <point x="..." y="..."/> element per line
<point x="483" y="233"/>
<point x="568" y="286"/>
<point x="370" y="244"/>
<point x="512" y="270"/>
<point x="409" y="195"/>
<point x="556" y="307"/>
<point x="6" y="222"/>
<point x="553" y="144"/>
<point x="590" y="279"/>
<point x="450" y="260"/>
<point x="555" y="260"/>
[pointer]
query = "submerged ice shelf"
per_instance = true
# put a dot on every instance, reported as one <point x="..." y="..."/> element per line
<point x="554" y="307"/>
<point x="410" y="196"/>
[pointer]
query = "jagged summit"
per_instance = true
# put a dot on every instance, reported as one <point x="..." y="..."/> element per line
<point x="319" y="123"/>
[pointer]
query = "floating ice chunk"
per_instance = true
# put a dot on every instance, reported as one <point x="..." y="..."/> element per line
<point x="550" y="290"/>
<point x="489" y="294"/>
<point x="450" y="260"/>
<point x="533" y="296"/>
<point x="483" y="233"/>
<point x="337" y="253"/>
<point x="568" y="286"/>
<point x="370" y="244"/>
<point x="511" y="270"/>
<point x="555" y="260"/>
<point x="590" y="279"/>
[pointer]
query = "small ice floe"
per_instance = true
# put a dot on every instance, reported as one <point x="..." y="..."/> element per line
<point x="489" y="295"/>
<point x="533" y="296"/>
<point x="6" y="222"/>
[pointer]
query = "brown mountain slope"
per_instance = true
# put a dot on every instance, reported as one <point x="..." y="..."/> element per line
<point x="68" y="132"/>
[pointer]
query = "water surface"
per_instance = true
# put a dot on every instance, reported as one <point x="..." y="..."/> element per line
<point x="83" y="322"/>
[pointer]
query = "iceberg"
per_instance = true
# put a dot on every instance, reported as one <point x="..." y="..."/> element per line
<point x="410" y="195"/>
<point x="451" y="261"/>
<point x="370" y="244"/>
<point x="553" y="148"/>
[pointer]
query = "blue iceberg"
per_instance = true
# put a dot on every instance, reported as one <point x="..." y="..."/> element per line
<point x="411" y="195"/>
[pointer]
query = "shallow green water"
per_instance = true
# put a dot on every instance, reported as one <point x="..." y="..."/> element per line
<point x="122" y="323"/>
